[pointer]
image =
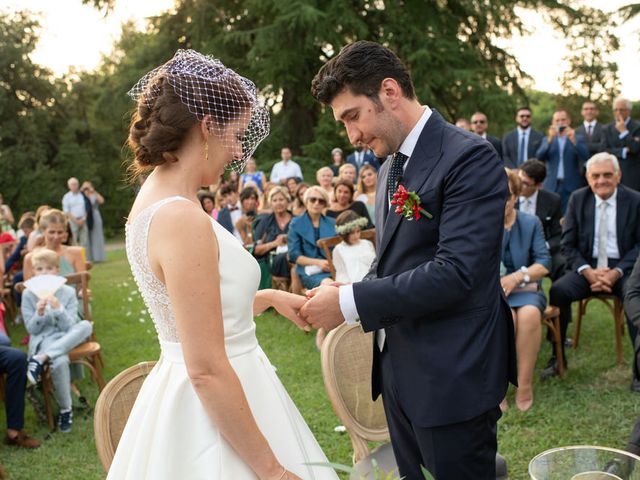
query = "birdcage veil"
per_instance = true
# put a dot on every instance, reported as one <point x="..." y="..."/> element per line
<point x="208" y="88"/>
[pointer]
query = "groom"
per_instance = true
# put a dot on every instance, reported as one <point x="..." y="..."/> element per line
<point x="444" y="348"/>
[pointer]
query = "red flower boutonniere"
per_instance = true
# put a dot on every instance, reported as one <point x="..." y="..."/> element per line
<point x="408" y="204"/>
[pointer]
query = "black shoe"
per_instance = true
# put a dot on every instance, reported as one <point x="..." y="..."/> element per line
<point x="635" y="385"/>
<point x="34" y="371"/>
<point x="64" y="421"/>
<point x="551" y="370"/>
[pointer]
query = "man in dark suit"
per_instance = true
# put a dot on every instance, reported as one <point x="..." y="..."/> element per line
<point x="601" y="240"/>
<point x="546" y="206"/>
<point x="591" y="129"/>
<point x="622" y="138"/>
<point x="564" y="153"/>
<point x="522" y="143"/>
<point x="480" y="125"/>
<point x="362" y="156"/>
<point x="444" y="348"/>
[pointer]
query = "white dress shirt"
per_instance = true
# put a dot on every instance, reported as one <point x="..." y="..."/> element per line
<point x="528" y="204"/>
<point x="283" y="170"/>
<point x="612" y="234"/>
<point x="347" y="300"/>
<point x="73" y="204"/>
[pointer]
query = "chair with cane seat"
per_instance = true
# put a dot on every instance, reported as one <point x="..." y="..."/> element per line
<point x="327" y="244"/>
<point x="113" y="408"/>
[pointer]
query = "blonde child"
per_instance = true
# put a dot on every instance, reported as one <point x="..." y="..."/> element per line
<point x="352" y="258"/>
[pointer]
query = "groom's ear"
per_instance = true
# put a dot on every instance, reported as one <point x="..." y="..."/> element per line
<point x="390" y="91"/>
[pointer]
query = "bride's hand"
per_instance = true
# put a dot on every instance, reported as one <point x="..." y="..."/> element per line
<point x="285" y="475"/>
<point x="289" y="305"/>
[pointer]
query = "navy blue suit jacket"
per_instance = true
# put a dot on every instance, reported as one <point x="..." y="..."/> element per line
<point x="224" y="219"/>
<point x="435" y="287"/>
<point x="510" y="147"/>
<point x="579" y="228"/>
<point x="369" y="159"/>
<point x="573" y="156"/>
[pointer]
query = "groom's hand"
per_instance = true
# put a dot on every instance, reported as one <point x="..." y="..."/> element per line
<point x="322" y="310"/>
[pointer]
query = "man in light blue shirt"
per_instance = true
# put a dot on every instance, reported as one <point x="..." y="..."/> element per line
<point x="73" y="205"/>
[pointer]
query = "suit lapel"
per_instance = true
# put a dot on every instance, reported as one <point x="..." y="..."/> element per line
<point x="590" y="214"/>
<point x="424" y="158"/>
<point x="622" y="211"/>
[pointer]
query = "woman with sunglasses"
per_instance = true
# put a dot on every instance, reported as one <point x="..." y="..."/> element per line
<point x="304" y="231"/>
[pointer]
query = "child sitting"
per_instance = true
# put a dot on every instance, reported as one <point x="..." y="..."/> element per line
<point x="353" y="256"/>
<point x="55" y="330"/>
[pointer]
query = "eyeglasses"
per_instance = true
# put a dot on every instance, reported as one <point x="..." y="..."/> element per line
<point x="319" y="200"/>
<point x="479" y="121"/>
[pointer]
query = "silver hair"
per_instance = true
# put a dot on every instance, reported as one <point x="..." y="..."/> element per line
<point x="626" y="101"/>
<point x="603" y="157"/>
<point x="318" y="189"/>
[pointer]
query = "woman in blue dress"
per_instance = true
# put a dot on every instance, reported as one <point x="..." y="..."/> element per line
<point x="525" y="261"/>
<point x="252" y="175"/>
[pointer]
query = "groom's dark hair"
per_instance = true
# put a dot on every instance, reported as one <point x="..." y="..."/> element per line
<point x="361" y="67"/>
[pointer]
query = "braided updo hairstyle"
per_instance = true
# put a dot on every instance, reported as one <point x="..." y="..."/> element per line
<point x="162" y="120"/>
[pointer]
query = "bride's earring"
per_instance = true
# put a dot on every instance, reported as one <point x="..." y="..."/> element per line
<point x="206" y="151"/>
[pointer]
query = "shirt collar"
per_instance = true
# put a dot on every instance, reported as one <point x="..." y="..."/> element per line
<point x="409" y="144"/>
<point x="533" y="198"/>
<point x="591" y="124"/>
<point x="525" y="131"/>
<point x="611" y="200"/>
<point x="484" y="135"/>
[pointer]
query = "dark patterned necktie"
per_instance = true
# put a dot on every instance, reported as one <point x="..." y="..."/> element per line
<point x="395" y="173"/>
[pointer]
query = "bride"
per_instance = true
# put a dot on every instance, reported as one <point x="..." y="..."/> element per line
<point x="213" y="407"/>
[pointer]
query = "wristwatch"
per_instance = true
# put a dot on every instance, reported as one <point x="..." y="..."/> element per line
<point x="525" y="276"/>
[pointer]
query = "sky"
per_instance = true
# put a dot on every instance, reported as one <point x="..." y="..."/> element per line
<point x="77" y="35"/>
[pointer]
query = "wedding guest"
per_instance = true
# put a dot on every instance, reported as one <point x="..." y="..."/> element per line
<point x="26" y="225"/>
<point x="285" y="168"/>
<point x="36" y="238"/>
<point x="74" y="206"/>
<point x="54" y="227"/>
<point x="6" y="217"/>
<point x="464" y="124"/>
<point x="252" y="174"/>
<point x="232" y="211"/>
<point x="366" y="190"/>
<point x="343" y="193"/>
<point x="547" y="206"/>
<point x="13" y="364"/>
<point x="272" y="231"/>
<point x="337" y="160"/>
<point x="622" y="139"/>
<point x="96" y="251"/>
<point x="249" y="210"/>
<point x="362" y="156"/>
<point x="304" y="231"/>
<point x="525" y="261"/>
<point x="347" y="172"/>
<point x="292" y="184"/>
<point x="324" y="177"/>
<point x="352" y="258"/>
<point x="298" y="202"/>
<point x="591" y="128"/>
<point x="600" y="255"/>
<point x="208" y="203"/>
<point x="55" y="330"/>
<point x="480" y="125"/>
<point x="523" y="142"/>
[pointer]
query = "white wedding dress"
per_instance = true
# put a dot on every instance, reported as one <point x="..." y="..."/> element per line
<point x="168" y="435"/>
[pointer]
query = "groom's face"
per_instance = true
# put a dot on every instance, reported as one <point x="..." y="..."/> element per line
<point x="367" y="122"/>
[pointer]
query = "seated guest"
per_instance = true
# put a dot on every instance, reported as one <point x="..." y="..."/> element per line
<point x="292" y="183"/>
<point x="525" y="261"/>
<point x="26" y="225"/>
<point x="564" y="152"/>
<point x="343" y="193"/>
<point x="546" y="206"/>
<point x="13" y="364"/>
<point x="366" y="190"/>
<point x="271" y="234"/>
<point x="337" y="159"/>
<point x="600" y="239"/>
<point x="249" y="210"/>
<point x="304" y="231"/>
<point x="35" y="238"/>
<point x="298" y="207"/>
<point x="324" y="177"/>
<point x="55" y="330"/>
<point x="208" y="203"/>
<point x="632" y="310"/>
<point x="347" y="172"/>
<point x="352" y="258"/>
<point x="232" y="211"/>
<point x="252" y="174"/>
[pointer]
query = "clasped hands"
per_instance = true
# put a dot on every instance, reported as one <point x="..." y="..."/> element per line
<point x="43" y="302"/>
<point x="601" y="280"/>
<point x="320" y="308"/>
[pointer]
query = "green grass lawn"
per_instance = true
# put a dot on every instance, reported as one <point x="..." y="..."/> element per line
<point x="592" y="405"/>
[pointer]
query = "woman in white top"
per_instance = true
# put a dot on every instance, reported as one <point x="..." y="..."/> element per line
<point x="352" y="258"/>
<point x="366" y="189"/>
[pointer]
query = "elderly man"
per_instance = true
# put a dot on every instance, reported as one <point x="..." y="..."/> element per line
<point x="600" y="239"/>
<point x="74" y="205"/>
<point x="564" y="152"/>
<point x="622" y="138"/>
<point x="480" y="125"/>
<point x="591" y="129"/>
<point x="522" y="143"/>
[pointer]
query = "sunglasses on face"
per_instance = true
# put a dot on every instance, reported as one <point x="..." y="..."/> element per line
<point x="319" y="200"/>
